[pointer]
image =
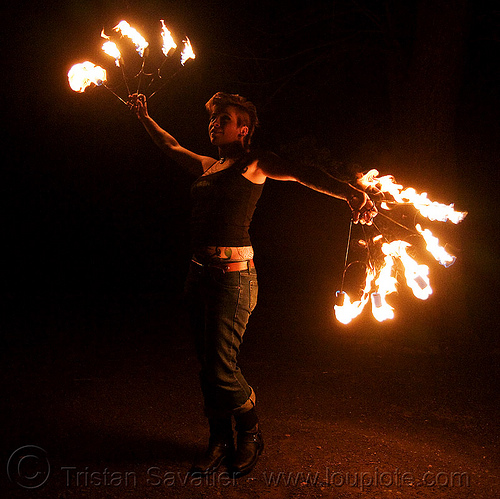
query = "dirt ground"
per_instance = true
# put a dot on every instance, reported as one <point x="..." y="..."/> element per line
<point x="107" y="398"/>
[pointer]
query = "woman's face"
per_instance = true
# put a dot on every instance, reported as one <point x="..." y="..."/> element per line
<point x="223" y="127"/>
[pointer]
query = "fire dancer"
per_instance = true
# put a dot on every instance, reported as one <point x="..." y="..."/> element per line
<point x="221" y="286"/>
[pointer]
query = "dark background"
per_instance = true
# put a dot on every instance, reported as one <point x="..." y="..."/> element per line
<point x="96" y="365"/>
<point x="96" y="219"/>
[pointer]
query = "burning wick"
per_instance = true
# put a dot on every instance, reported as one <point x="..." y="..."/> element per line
<point x="427" y="208"/>
<point x="168" y="47"/>
<point x="345" y="310"/>
<point x="112" y="50"/>
<point x="140" y="43"/>
<point x="416" y="275"/>
<point x="85" y="74"/>
<point x="168" y="42"/>
<point x="340" y="298"/>
<point x="385" y="285"/>
<point x="187" y="52"/>
<point x="137" y="39"/>
<point x="377" y="300"/>
<point x="433" y="247"/>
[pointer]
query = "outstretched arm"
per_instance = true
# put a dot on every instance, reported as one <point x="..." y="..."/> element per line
<point x="194" y="163"/>
<point x="363" y="209"/>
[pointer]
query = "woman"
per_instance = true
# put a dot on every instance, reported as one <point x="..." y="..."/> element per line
<point x="222" y="282"/>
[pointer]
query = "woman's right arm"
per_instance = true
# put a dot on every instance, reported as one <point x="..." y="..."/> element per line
<point x="194" y="163"/>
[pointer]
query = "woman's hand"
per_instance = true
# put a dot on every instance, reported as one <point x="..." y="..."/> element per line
<point x="138" y="104"/>
<point x="363" y="208"/>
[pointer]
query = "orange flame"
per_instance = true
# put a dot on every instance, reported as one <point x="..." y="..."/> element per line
<point x="137" y="39"/>
<point x="168" y="42"/>
<point x="346" y="312"/>
<point x="85" y="74"/>
<point x="435" y="249"/>
<point x="416" y="274"/>
<point x="427" y="208"/>
<point x="110" y="48"/>
<point x="187" y="52"/>
<point x="385" y="285"/>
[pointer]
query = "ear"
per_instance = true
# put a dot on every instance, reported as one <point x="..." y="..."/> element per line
<point x="243" y="131"/>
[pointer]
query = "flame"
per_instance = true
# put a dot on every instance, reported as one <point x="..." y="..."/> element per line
<point x="137" y="39"/>
<point x="187" y="52"/>
<point x="111" y="49"/>
<point x="416" y="274"/>
<point x="84" y="74"/>
<point x="433" y="247"/>
<point x="427" y="208"/>
<point x="346" y="312"/>
<point x="385" y="285"/>
<point x="168" y="42"/>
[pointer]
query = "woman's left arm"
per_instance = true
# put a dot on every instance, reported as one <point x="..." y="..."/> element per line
<point x="272" y="166"/>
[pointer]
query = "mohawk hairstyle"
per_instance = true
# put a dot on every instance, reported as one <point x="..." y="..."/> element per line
<point x="247" y="112"/>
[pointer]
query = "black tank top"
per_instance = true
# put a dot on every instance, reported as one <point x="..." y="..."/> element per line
<point x="223" y="206"/>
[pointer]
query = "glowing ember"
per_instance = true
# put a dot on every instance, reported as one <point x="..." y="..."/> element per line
<point x="85" y="74"/>
<point x="187" y="52"/>
<point x="137" y="39"/>
<point x="427" y="208"/>
<point x="168" y="42"/>
<point x="346" y="312"/>
<point x="434" y="248"/>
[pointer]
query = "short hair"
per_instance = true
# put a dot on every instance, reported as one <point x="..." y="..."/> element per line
<point x="247" y="112"/>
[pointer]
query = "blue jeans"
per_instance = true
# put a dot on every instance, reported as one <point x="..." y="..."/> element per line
<point x="220" y="304"/>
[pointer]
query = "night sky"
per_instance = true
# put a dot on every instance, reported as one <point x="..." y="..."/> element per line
<point x="93" y="209"/>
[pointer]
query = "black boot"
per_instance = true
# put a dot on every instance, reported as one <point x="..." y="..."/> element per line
<point x="249" y="444"/>
<point x="220" y="448"/>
